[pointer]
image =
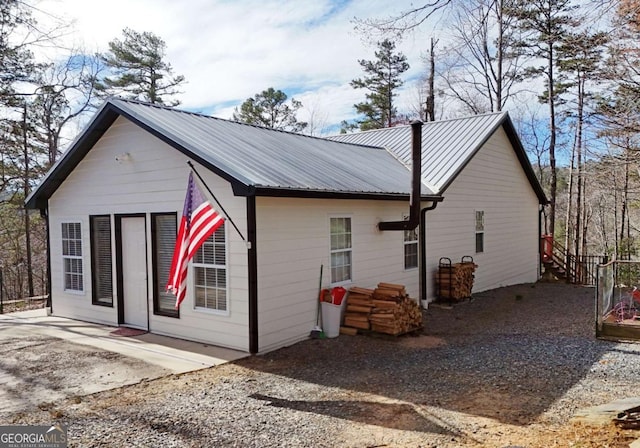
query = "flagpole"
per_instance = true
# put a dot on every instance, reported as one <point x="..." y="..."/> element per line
<point x="218" y="202"/>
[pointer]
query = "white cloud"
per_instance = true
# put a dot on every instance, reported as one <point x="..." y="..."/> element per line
<point x="230" y="50"/>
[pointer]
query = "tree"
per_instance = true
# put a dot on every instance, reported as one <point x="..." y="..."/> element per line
<point x="545" y="24"/>
<point x="382" y="80"/>
<point x="580" y="56"/>
<point x="139" y="69"/>
<point x="482" y="64"/>
<point x="65" y="91"/>
<point x="404" y="22"/>
<point x="16" y="60"/>
<point x="270" y="109"/>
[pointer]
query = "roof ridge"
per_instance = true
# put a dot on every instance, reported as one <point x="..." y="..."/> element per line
<point x="425" y="123"/>
<point x="115" y="100"/>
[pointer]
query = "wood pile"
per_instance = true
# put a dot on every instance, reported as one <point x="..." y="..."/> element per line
<point x="359" y="306"/>
<point x="455" y="281"/>
<point x="386" y="309"/>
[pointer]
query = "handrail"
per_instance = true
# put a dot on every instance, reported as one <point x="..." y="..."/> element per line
<point x="577" y="269"/>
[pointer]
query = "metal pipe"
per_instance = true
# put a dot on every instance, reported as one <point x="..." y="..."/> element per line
<point x="416" y="182"/>
<point x="422" y="266"/>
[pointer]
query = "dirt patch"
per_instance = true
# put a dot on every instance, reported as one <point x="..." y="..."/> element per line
<point x="422" y="341"/>
<point x="38" y="369"/>
<point x="509" y="368"/>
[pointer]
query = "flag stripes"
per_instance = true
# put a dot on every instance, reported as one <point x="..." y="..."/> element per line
<point x="199" y="221"/>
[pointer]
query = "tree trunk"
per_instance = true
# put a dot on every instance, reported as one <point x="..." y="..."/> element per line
<point x="499" y="54"/>
<point x="624" y="231"/>
<point x="27" y="223"/>
<point x="552" y="142"/>
<point x="430" y="113"/>
<point x="568" y="215"/>
<point x="579" y="197"/>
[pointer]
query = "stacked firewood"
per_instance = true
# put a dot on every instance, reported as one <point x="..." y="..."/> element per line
<point x="388" y="309"/>
<point x="455" y="281"/>
<point x="359" y="306"/>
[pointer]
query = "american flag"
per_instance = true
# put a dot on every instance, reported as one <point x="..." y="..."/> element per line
<point x="199" y="221"/>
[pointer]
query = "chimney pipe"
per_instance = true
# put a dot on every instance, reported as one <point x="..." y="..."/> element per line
<point x="416" y="182"/>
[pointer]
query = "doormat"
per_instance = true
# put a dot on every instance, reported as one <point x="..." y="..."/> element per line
<point x="126" y="331"/>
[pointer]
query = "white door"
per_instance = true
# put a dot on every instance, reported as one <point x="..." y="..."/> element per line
<point x="134" y="272"/>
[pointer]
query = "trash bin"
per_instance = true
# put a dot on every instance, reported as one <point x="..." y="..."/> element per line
<point x="331" y="318"/>
<point x="332" y="307"/>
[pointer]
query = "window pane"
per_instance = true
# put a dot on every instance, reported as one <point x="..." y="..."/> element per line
<point x="411" y="255"/>
<point x="479" y="221"/>
<point x="479" y="242"/>
<point x="101" y="256"/>
<point x="164" y="239"/>
<point x="411" y="235"/>
<point x="341" y="242"/>
<point x="72" y="256"/>
<point x="210" y="274"/>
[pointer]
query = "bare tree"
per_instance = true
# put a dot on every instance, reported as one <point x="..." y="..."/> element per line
<point x="65" y="91"/>
<point x="403" y="22"/>
<point x="483" y="64"/>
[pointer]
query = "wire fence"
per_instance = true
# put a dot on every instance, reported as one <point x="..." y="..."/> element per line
<point x="618" y="300"/>
<point x="14" y="289"/>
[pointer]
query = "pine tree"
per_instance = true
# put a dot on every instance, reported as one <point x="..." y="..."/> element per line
<point x="16" y="61"/>
<point x="545" y="25"/>
<point x="382" y="79"/>
<point x="139" y="69"/>
<point x="271" y="110"/>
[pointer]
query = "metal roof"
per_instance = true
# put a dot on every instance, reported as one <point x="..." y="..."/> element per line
<point x="447" y="146"/>
<point x="255" y="160"/>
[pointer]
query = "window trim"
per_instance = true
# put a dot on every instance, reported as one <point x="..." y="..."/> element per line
<point x="191" y="284"/>
<point x="405" y="217"/>
<point x="94" y="280"/>
<point x="75" y="257"/>
<point x="175" y="314"/>
<point x="332" y="251"/>
<point x="479" y="232"/>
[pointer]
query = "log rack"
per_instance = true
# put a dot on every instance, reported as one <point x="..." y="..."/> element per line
<point x="455" y="280"/>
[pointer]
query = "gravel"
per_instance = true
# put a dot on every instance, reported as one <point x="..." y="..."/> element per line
<point x="509" y="367"/>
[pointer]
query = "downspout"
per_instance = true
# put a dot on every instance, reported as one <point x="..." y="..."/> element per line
<point x="416" y="182"/>
<point x="422" y="266"/>
<point x="540" y="243"/>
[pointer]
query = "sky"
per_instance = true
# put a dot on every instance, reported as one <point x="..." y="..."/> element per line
<point x="229" y="50"/>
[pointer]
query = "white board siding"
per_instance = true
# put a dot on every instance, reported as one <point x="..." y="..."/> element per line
<point x="153" y="181"/>
<point x="494" y="182"/>
<point x="292" y="242"/>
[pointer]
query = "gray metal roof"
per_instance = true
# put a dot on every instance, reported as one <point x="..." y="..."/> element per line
<point x="255" y="160"/>
<point x="447" y="146"/>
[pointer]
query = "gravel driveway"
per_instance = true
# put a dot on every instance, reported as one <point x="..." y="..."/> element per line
<point x="510" y="367"/>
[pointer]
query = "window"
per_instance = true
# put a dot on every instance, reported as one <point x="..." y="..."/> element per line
<point x="101" y="266"/>
<point x="210" y="273"/>
<point x="72" y="256"/>
<point x="340" y="249"/>
<point x="164" y="231"/>
<point x="479" y="231"/>
<point x="410" y="247"/>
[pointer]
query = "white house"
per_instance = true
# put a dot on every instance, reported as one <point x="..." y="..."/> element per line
<point x="491" y="197"/>
<point x="294" y="203"/>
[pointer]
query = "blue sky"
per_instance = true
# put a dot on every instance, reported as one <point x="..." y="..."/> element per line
<point x="229" y="50"/>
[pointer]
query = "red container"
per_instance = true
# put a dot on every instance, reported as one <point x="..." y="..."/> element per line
<point x="337" y="294"/>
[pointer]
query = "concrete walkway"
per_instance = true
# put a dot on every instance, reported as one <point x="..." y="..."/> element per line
<point x="176" y="355"/>
<point x="46" y="358"/>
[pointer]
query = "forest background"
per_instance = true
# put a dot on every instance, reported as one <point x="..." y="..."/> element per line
<point x="568" y="72"/>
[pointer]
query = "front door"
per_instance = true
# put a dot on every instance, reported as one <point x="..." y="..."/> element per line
<point x="133" y="301"/>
